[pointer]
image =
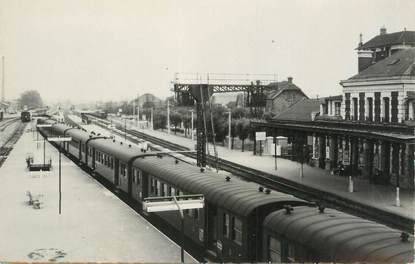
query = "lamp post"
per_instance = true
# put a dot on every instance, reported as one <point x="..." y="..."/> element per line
<point x="60" y="140"/>
<point x="229" y="129"/>
<point x="175" y="203"/>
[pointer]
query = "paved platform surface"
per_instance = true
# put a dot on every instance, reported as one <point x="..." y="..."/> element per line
<point x="94" y="226"/>
<point x="378" y="196"/>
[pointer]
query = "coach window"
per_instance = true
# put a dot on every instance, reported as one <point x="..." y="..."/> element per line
<point x="156" y="191"/>
<point x="169" y="190"/>
<point x="274" y="249"/>
<point x="173" y="191"/>
<point x="236" y="230"/>
<point x="226" y="225"/>
<point x="134" y="175"/>
<point x="162" y="186"/>
<point x="123" y="169"/>
<point x="165" y="190"/>
<point x="159" y="189"/>
<point x="152" y="185"/>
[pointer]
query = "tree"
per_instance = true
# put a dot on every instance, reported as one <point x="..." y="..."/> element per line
<point x="31" y="99"/>
<point x="234" y="132"/>
<point x="243" y="130"/>
<point x="239" y="112"/>
<point x="175" y="119"/>
<point x="148" y="104"/>
<point x="160" y="120"/>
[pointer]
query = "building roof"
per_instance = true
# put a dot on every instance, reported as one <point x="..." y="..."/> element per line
<point x="399" y="64"/>
<point x="301" y="110"/>
<point x="407" y="37"/>
<point x="281" y="87"/>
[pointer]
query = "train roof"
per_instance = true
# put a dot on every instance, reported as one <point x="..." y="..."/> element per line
<point x="239" y="197"/>
<point x="79" y="134"/>
<point x="124" y="152"/>
<point x="337" y="236"/>
<point x="60" y="128"/>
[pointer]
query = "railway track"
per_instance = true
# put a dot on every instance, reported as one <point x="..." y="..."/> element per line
<point x="281" y="184"/>
<point x="7" y="122"/>
<point x="7" y="146"/>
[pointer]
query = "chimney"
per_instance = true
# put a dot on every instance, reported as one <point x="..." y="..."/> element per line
<point x="290" y="80"/>
<point x="382" y="30"/>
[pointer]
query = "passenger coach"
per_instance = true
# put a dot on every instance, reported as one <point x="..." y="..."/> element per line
<point x="309" y="234"/>
<point x="229" y="226"/>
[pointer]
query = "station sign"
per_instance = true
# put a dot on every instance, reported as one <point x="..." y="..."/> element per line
<point x="260" y="136"/>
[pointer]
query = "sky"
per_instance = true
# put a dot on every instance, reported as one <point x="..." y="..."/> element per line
<point x="99" y="50"/>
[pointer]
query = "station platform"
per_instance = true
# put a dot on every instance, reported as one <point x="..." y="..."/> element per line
<point x="377" y="196"/>
<point x="94" y="226"/>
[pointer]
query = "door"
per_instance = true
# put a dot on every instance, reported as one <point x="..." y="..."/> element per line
<point x="211" y="227"/>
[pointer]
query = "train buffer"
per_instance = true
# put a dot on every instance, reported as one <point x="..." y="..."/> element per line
<point x="33" y="200"/>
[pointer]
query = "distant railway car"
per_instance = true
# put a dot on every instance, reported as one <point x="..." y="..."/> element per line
<point x="25" y="116"/>
<point x="309" y="234"/>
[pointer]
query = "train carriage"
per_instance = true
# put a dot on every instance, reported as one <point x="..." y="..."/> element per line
<point x="307" y="234"/>
<point x="112" y="160"/>
<point x="230" y="224"/>
<point x="25" y="116"/>
<point x="241" y="221"/>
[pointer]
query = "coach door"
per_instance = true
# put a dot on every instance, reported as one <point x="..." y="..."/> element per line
<point x="212" y="227"/>
<point x="116" y="172"/>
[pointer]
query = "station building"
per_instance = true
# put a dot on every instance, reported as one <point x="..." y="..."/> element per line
<point x="368" y="128"/>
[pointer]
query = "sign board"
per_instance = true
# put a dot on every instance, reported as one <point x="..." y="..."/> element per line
<point x="260" y="135"/>
<point x="59" y="139"/>
<point x="173" y="203"/>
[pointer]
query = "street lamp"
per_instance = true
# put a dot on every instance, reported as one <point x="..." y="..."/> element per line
<point x="60" y="140"/>
<point x="175" y="203"/>
<point x="125" y="124"/>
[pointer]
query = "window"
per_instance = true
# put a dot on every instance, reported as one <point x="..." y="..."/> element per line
<point x="237" y="230"/>
<point x="169" y="191"/>
<point x="165" y="190"/>
<point x="274" y="249"/>
<point x="123" y="169"/>
<point x="162" y="190"/>
<point x="152" y="185"/>
<point x="226" y="225"/>
<point x="337" y="106"/>
<point x="158" y="188"/>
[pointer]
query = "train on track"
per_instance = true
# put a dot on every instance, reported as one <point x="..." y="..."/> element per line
<point x="241" y="221"/>
<point x="25" y="116"/>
